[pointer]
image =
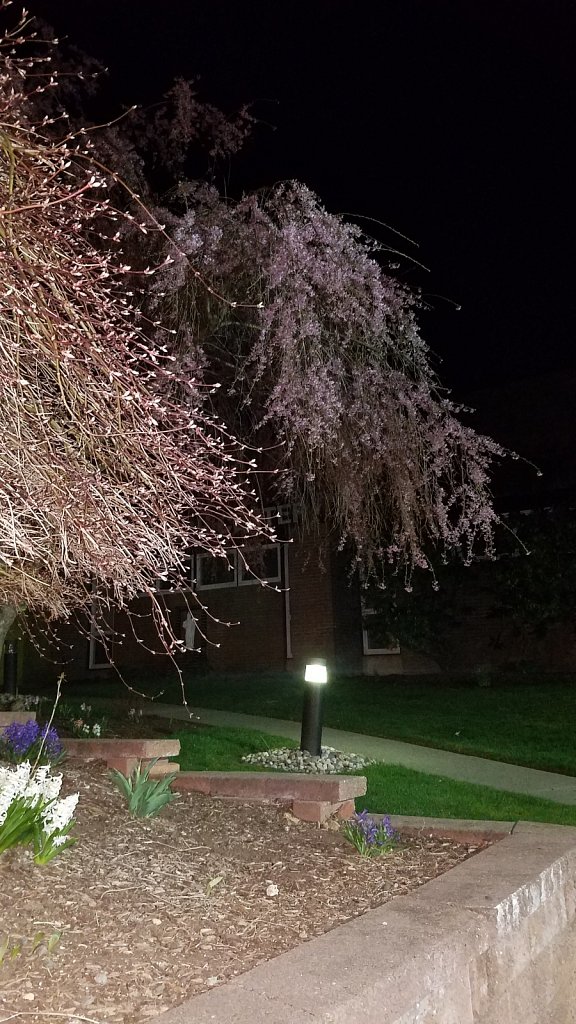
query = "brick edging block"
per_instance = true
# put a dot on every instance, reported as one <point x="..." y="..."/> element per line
<point x="332" y="789"/>
<point x="94" y="748"/>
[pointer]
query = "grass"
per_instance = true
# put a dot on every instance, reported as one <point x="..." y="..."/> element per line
<point x="208" y="748"/>
<point x="391" y="788"/>
<point x="526" y="721"/>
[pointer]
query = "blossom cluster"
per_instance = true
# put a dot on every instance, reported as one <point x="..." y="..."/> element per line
<point x="25" y="740"/>
<point x="82" y="728"/>
<point x="324" y="368"/>
<point x="112" y="465"/>
<point x="22" y="783"/>
<point x="32" y="813"/>
<point x="80" y="721"/>
<point x="371" y="837"/>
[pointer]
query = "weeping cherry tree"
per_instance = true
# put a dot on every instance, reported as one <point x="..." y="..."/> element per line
<point x="112" y="466"/>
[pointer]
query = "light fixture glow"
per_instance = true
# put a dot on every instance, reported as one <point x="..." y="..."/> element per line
<point x="316" y="672"/>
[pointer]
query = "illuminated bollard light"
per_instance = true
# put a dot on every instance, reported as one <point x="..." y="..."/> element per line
<point x="316" y="676"/>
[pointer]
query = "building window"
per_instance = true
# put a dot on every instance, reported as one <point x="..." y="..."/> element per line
<point x="176" y="580"/>
<point x="214" y="573"/>
<point x="375" y="644"/>
<point x="281" y="515"/>
<point x="259" y="564"/>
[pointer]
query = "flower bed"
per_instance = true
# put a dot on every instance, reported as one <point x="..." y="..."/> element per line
<point x="141" y="914"/>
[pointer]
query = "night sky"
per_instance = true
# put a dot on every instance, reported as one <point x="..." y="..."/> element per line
<point x="452" y="122"/>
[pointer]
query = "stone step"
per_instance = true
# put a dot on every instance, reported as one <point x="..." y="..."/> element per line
<point x="164" y="768"/>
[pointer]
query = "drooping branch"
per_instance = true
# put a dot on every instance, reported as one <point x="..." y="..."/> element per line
<point x="111" y="466"/>
<point x="321" y="357"/>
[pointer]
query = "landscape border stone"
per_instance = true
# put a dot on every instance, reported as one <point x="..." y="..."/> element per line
<point x="311" y="797"/>
<point x="8" y="717"/>
<point x="492" y="941"/>
<point x="125" y="754"/>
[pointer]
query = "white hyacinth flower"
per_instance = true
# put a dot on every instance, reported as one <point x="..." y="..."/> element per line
<point x="13" y="783"/>
<point x="59" y="814"/>
<point x="44" y="785"/>
<point x="22" y="783"/>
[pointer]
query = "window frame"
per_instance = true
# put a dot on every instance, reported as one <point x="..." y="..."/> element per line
<point x="368" y="651"/>
<point x="227" y="584"/>
<point x="162" y="586"/>
<point x="238" y="569"/>
<point x="253" y="579"/>
<point x="97" y="632"/>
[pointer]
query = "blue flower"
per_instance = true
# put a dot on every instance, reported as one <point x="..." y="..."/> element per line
<point x="23" y="739"/>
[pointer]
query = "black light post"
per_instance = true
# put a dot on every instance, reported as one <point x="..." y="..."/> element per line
<point x="311" y="737"/>
<point x="10" y="667"/>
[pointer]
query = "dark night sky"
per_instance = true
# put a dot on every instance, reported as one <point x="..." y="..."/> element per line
<point x="450" y="120"/>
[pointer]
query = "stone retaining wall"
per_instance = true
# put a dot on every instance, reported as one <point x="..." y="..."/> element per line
<point x="493" y="941"/>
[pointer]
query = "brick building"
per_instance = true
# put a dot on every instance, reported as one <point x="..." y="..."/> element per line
<point x="309" y="607"/>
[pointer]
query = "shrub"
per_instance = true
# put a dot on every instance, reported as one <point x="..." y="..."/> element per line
<point x="19" y="701"/>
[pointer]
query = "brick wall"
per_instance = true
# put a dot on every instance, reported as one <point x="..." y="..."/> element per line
<point x="311" y="603"/>
<point x="255" y="636"/>
<point x="324" y="622"/>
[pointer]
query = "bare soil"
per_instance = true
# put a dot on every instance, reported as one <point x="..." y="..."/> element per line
<point x="152" y="912"/>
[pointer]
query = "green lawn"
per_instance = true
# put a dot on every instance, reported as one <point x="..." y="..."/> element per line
<point x="213" y="749"/>
<point x="527" y="721"/>
<point x="391" y="789"/>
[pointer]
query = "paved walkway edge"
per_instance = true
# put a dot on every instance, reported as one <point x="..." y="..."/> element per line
<point x="463" y="767"/>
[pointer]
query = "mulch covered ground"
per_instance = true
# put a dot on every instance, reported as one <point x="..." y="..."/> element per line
<point x="152" y="912"/>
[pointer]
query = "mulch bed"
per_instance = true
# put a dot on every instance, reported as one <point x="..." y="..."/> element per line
<point x="155" y="911"/>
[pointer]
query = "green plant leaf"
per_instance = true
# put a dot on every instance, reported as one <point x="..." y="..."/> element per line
<point x="53" y="941"/>
<point x="145" y="796"/>
<point x="37" y="941"/>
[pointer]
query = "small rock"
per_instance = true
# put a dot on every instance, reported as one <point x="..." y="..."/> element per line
<point x="330" y="761"/>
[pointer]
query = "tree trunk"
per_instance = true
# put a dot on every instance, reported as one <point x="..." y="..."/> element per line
<point x="7" y="616"/>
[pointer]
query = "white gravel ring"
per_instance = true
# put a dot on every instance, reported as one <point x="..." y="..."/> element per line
<point x="329" y="762"/>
